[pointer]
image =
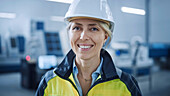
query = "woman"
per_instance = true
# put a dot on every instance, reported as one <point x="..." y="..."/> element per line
<point x="88" y="69"/>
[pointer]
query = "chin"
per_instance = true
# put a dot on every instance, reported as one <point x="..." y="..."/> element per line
<point x="83" y="56"/>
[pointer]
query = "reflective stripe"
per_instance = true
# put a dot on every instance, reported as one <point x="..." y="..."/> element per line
<point x="110" y="88"/>
<point x="98" y="77"/>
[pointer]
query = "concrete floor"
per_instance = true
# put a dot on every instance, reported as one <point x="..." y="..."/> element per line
<point x="160" y="84"/>
<point x="10" y="85"/>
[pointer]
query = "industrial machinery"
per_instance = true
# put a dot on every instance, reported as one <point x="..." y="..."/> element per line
<point x="2" y="47"/>
<point x="44" y="51"/>
<point x="133" y="58"/>
<point x="12" y="48"/>
<point x="160" y="52"/>
<point x="132" y="54"/>
<point x="42" y="42"/>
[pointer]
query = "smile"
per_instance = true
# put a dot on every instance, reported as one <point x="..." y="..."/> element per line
<point x="84" y="46"/>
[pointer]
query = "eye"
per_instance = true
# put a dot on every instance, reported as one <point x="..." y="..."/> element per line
<point x="94" y="29"/>
<point x="76" y="28"/>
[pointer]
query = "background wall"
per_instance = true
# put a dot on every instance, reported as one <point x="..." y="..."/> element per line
<point x="160" y="21"/>
<point x="126" y="25"/>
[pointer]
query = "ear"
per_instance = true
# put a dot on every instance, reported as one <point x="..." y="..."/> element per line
<point x="106" y="37"/>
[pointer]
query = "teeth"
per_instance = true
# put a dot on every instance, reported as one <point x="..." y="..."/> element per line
<point x="84" y="46"/>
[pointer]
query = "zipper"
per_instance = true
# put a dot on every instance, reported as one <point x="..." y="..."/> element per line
<point x="74" y="86"/>
<point x="95" y="83"/>
<point x="70" y="82"/>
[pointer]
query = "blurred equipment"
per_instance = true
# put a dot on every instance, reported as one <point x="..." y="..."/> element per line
<point x="47" y="61"/>
<point x="122" y="52"/>
<point x="28" y="74"/>
<point x="21" y="44"/>
<point x="43" y="42"/>
<point x="160" y="53"/>
<point x="2" y="47"/>
<point x="12" y="46"/>
<point x="53" y="44"/>
<point x="133" y="57"/>
<point x="12" y="50"/>
<point x="16" y="46"/>
<point x="44" y="51"/>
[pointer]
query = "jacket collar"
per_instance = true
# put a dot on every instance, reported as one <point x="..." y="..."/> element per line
<point x="64" y="69"/>
<point x="108" y="68"/>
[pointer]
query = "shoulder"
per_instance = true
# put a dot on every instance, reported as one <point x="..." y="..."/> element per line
<point x="131" y="83"/>
<point x="43" y="83"/>
<point x="49" y="75"/>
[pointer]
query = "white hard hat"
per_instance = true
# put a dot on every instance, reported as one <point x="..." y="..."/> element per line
<point x="95" y="9"/>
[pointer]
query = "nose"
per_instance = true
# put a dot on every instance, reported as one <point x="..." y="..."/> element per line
<point x="84" y="35"/>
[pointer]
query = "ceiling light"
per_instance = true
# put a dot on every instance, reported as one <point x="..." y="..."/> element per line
<point x="62" y="1"/>
<point x="8" y="15"/>
<point x="133" y="10"/>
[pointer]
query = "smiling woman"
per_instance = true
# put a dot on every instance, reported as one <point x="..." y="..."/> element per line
<point x="88" y="70"/>
<point x="87" y="38"/>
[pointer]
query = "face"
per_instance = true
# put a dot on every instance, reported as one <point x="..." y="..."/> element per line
<point x="87" y="38"/>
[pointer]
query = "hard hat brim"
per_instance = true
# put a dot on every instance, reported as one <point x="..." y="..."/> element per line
<point x="91" y="18"/>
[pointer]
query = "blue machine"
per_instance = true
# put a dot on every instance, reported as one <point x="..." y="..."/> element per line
<point x="160" y="52"/>
<point x="53" y="43"/>
<point x="16" y="46"/>
<point x="157" y="50"/>
<point x="21" y="44"/>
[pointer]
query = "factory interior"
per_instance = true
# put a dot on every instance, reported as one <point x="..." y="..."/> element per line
<point x="34" y="39"/>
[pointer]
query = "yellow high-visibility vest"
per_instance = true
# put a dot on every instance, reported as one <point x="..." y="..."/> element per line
<point x="61" y="87"/>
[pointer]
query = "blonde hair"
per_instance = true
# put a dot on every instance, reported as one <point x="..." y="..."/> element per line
<point x="106" y="28"/>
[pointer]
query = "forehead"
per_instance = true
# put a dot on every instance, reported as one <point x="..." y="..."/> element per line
<point x="85" y="22"/>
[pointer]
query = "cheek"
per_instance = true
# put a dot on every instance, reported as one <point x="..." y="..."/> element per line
<point x="73" y="37"/>
<point x="70" y="35"/>
<point x="100" y="39"/>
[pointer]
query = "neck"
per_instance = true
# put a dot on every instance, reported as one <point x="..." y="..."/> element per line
<point x="87" y="67"/>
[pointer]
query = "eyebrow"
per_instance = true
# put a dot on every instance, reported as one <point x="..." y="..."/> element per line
<point x="88" y="24"/>
<point x="92" y="24"/>
<point x="78" y="24"/>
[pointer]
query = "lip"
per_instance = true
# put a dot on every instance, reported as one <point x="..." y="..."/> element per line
<point x="85" y="47"/>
